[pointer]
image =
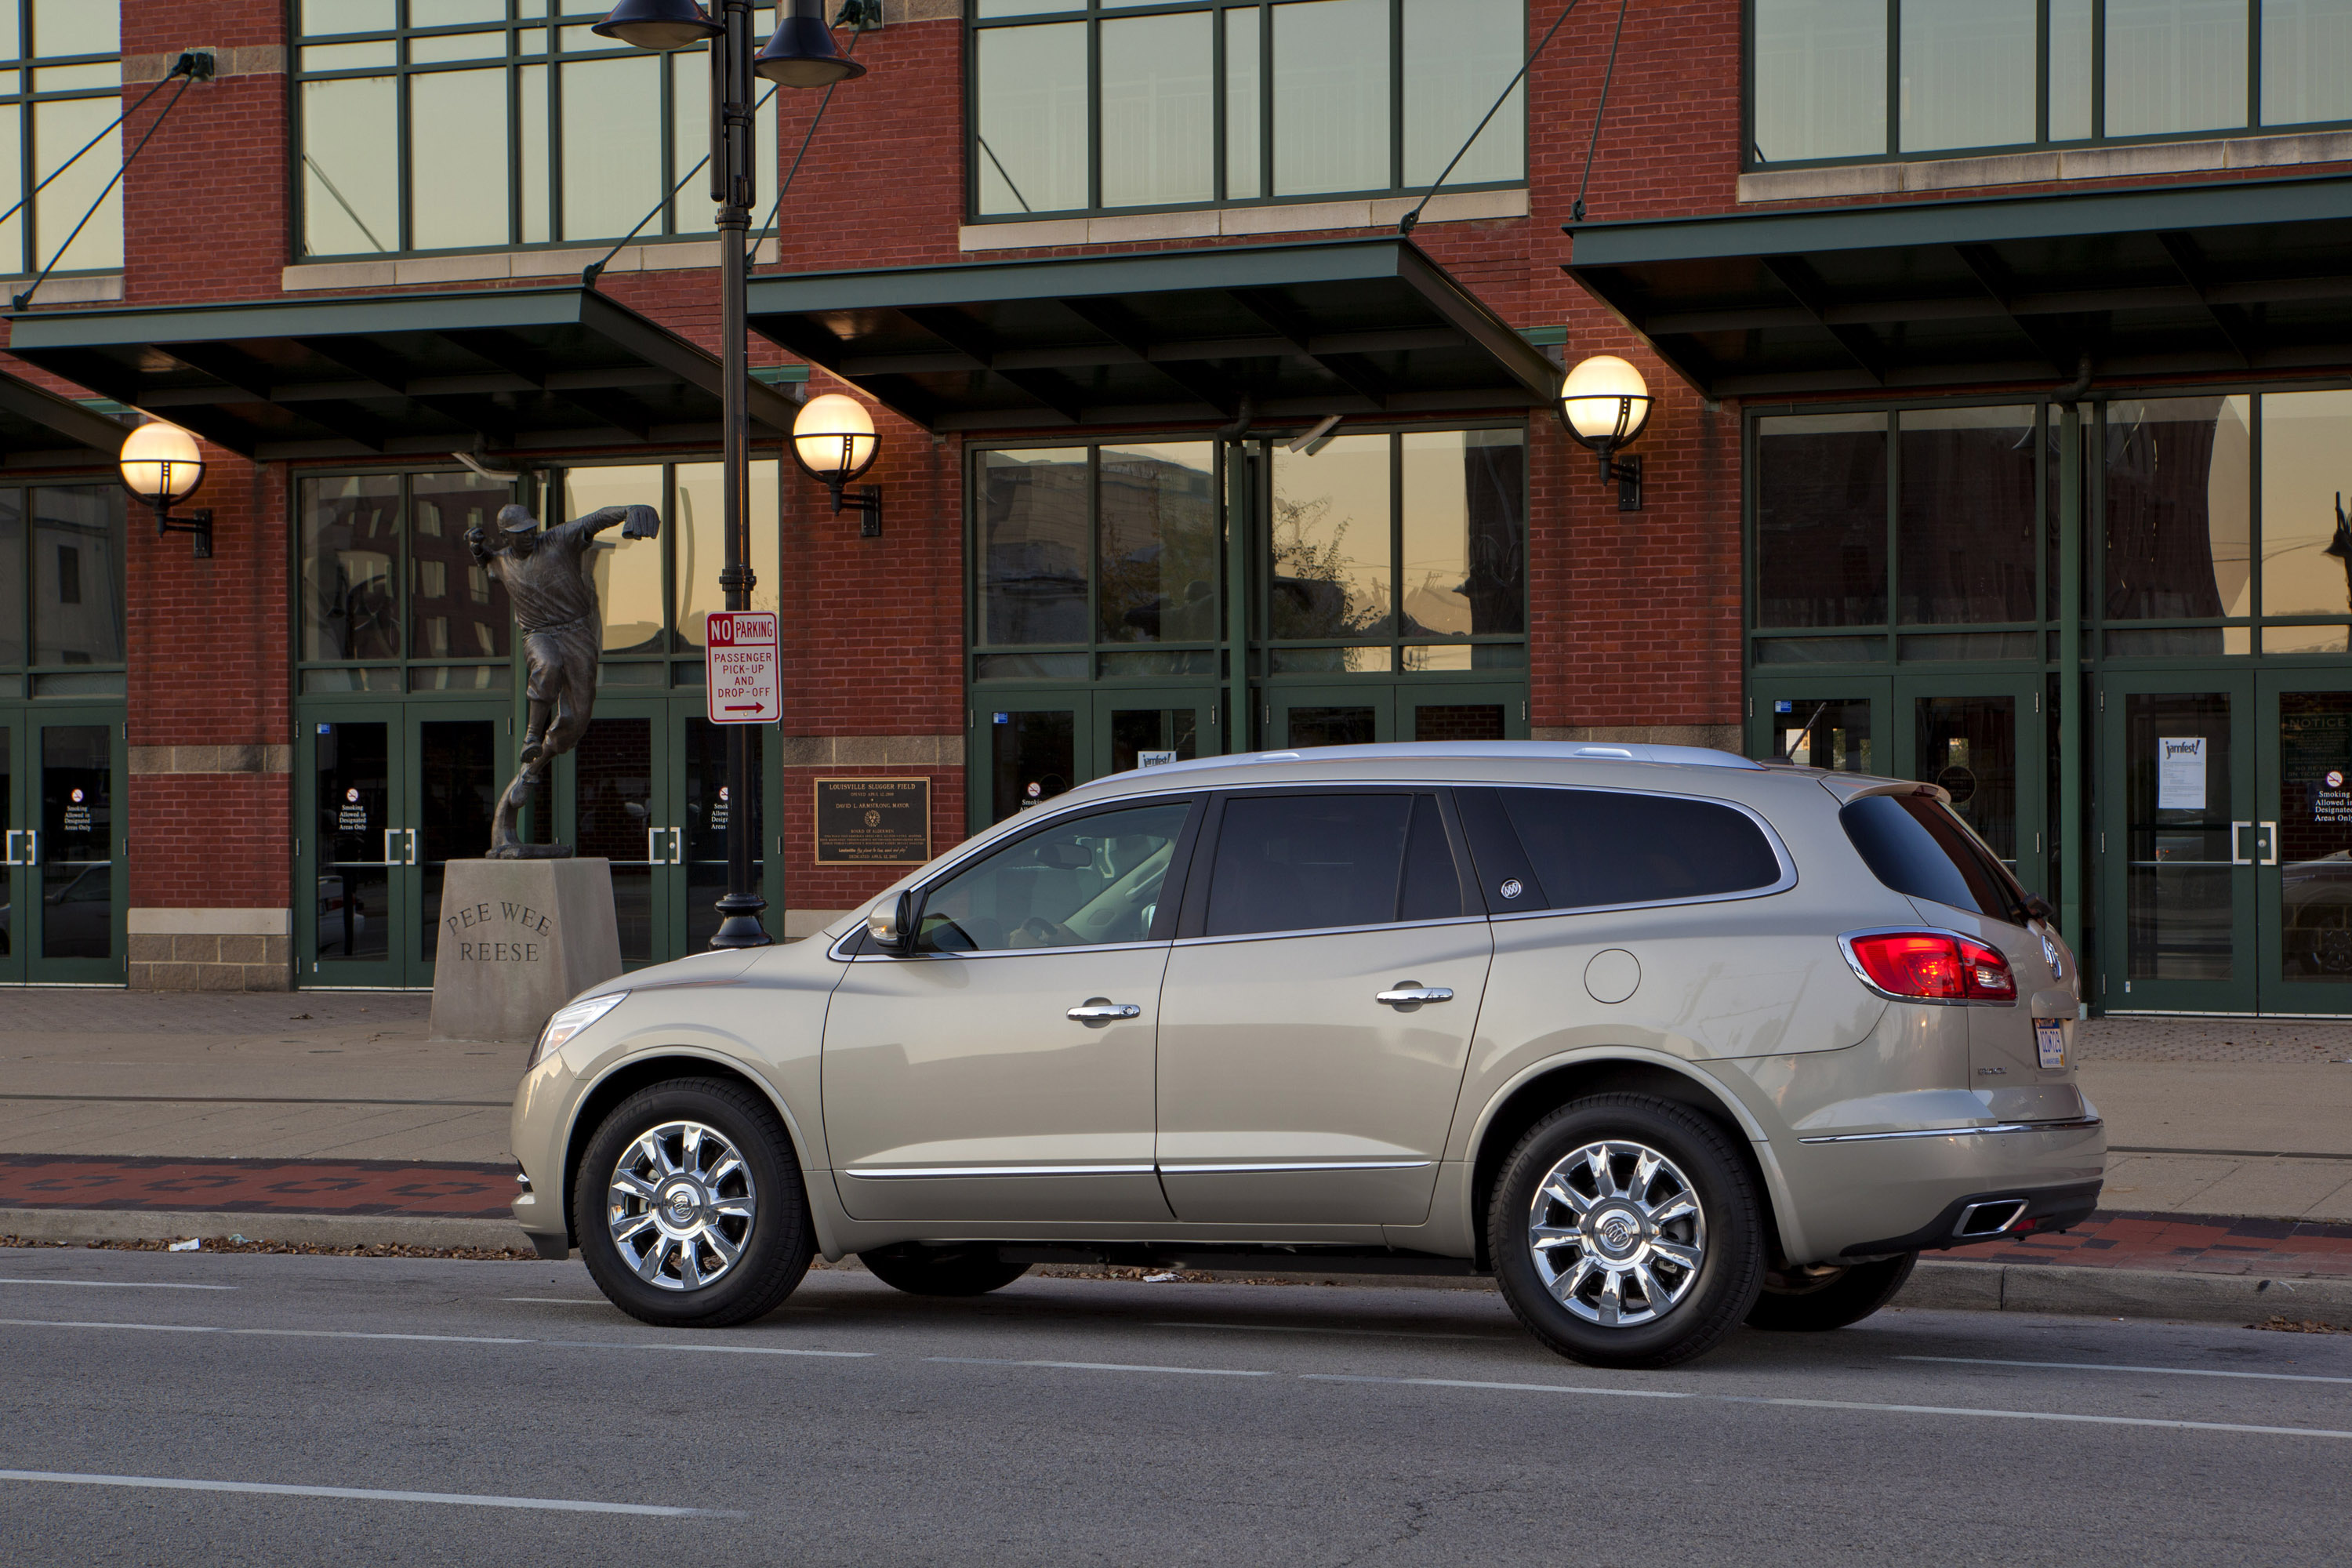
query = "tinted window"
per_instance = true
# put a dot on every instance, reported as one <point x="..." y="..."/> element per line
<point x="1915" y="846"/>
<point x="1092" y="879"/>
<point x="1589" y="847"/>
<point x="1309" y="862"/>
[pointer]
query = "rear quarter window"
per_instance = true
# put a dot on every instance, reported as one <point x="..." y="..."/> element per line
<point x="1585" y="849"/>
<point x="1915" y="846"/>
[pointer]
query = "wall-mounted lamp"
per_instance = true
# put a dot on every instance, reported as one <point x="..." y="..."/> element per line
<point x="834" y="442"/>
<point x="162" y="464"/>
<point x="1604" y="404"/>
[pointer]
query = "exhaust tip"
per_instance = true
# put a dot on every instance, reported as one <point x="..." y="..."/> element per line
<point x="1988" y="1218"/>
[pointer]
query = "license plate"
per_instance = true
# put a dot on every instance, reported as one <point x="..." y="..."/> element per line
<point x="2049" y="1039"/>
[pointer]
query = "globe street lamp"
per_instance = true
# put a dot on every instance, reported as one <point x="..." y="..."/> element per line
<point x="834" y="442"/>
<point x="162" y="464"/>
<point x="799" y="54"/>
<point x="1605" y="403"/>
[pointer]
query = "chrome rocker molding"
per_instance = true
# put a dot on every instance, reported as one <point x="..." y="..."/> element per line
<point x="2078" y="1124"/>
<point x="896" y="1172"/>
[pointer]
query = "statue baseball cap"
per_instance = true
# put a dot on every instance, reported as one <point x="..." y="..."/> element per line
<point x="517" y="520"/>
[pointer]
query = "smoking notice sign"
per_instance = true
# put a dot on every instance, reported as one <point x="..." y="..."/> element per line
<point x="739" y="661"/>
<point x="873" y="822"/>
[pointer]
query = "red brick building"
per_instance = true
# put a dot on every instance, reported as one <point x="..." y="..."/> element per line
<point x="2000" y="357"/>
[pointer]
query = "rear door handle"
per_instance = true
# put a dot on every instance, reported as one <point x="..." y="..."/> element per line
<point x="1410" y="995"/>
<point x="2266" y="843"/>
<point x="1102" y="1010"/>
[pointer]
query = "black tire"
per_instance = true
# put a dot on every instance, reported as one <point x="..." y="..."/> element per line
<point x="972" y="1268"/>
<point x="1815" y="1302"/>
<point x="1702" y="1304"/>
<point x="774" y="1251"/>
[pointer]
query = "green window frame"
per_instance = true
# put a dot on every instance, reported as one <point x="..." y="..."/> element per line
<point x="60" y="84"/>
<point x="63" y="603"/>
<point x="439" y="127"/>
<point x="1195" y="103"/>
<point x="2065" y="73"/>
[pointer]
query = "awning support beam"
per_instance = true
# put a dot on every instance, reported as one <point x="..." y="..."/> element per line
<point x="1798" y="281"/>
<point x="2227" y="321"/>
<point x="961" y="335"/>
<point x="1986" y="269"/>
<point x="1118" y="326"/>
<point x="1347" y="369"/>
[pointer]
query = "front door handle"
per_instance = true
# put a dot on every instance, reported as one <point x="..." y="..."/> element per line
<point x="412" y="846"/>
<point x="653" y="846"/>
<point x="11" y="859"/>
<point x="1412" y="993"/>
<point x="2237" y="845"/>
<point x="2266" y="843"/>
<point x="677" y="846"/>
<point x="1102" y="1010"/>
<point x="392" y="846"/>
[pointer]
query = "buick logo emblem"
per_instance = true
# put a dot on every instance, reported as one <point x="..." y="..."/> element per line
<point x="1618" y="1231"/>
<point x="1511" y="888"/>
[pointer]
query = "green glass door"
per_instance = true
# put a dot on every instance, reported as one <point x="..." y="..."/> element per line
<point x="1982" y="739"/>
<point x="2178" y="843"/>
<point x="68" y="904"/>
<point x="624" y="805"/>
<point x="1024" y="750"/>
<point x="1843" y="724"/>
<point x="15" y="867"/>
<point x="1140" y="728"/>
<point x="1297" y="716"/>
<point x="2303" y="841"/>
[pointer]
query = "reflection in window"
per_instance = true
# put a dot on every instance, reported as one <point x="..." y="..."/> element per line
<point x="78" y="574"/>
<point x="67" y="107"/>
<point x="1820" y="79"/>
<point x="1156" y="567"/>
<point x="351" y="539"/>
<point x="1821" y="521"/>
<point x="12" y="577"/>
<point x="1096" y="880"/>
<point x="2178" y="539"/>
<point x="442" y="507"/>
<point x="1330" y="574"/>
<point x="1967" y="73"/>
<point x="1462" y="570"/>
<point x="2307" y="61"/>
<point x="1966" y="534"/>
<point x="696" y="524"/>
<point x="1150" y="117"/>
<point x="2175" y="65"/>
<point x="1033" y="547"/>
<point x="2305" y="437"/>
<point x="628" y="572"/>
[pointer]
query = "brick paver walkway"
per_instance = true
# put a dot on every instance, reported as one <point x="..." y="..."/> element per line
<point x="2188" y="1244"/>
<point x="417" y="1189"/>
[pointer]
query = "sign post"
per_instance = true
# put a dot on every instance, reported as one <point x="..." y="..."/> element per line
<point x="738" y="662"/>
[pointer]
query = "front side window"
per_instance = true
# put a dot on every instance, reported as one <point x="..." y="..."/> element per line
<point x="1080" y="107"/>
<point x="1093" y="880"/>
<point x="470" y="124"/>
<point x="60" y="89"/>
<point x="1314" y="862"/>
<point x="1835" y="80"/>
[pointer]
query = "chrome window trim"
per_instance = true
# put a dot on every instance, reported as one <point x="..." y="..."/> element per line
<point x="1286" y="934"/>
<point x="1845" y="947"/>
<point x="917" y="1173"/>
<point x="992" y="952"/>
<point x="2074" y="1124"/>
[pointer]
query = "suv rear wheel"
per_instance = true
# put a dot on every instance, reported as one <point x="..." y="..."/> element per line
<point x="1815" y="1300"/>
<point x="690" y="1207"/>
<point x="970" y="1269"/>
<point x="1624" y="1232"/>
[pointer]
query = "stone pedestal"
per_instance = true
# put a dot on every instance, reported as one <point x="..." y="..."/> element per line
<point x="519" y="939"/>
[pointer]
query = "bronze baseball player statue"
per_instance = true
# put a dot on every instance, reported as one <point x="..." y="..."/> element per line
<point x="554" y="599"/>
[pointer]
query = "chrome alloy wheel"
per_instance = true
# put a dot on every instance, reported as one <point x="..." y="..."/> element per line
<point x="1617" y="1233"/>
<point x="680" y="1206"/>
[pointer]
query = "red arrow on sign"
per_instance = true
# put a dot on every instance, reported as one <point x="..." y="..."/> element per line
<point x="747" y="708"/>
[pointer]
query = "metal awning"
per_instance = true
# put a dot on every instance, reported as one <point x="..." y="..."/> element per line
<point x="2254" y="275"/>
<point x="494" y="370"/>
<point x="40" y="429"/>
<point x="1357" y="326"/>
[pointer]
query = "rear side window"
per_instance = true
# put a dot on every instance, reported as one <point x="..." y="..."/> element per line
<point x="1309" y="862"/>
<point x="1582" y="848"/>
<point x="1915" y="846"/>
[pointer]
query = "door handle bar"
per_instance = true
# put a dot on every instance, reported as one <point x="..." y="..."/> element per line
<point x="1411" y="995"/>
<point x="11" y="860"/>
<point x="2238" y="857"/>
<point x="392" y="846"/>
<point x="677" y="846"/>
<point x="1101" y="1011"/>
<point x="653" y="846"/>
<point x="2266" y="847"/>
<point x="412" y="846"/>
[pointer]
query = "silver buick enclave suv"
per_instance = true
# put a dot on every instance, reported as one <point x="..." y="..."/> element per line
<point x="1665" y="1039"/>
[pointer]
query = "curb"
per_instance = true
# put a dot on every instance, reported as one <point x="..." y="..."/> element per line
<point x="305" y="1229"/>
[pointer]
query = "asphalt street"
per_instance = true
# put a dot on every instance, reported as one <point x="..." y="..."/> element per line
<point x="230" y="1409"/>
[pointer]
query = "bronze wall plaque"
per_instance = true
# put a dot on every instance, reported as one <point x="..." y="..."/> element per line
<point x="873" y="822"/>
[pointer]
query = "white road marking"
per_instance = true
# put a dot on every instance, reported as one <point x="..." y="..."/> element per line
<point x="559" y="1301"/>
<point x="366" y="1494"/>
<point x="2104" y="1366"/>
<point x="117" y="1284"/>
<point x="1095" y="1366"/>
<point x="1368" y="1333"/>
<point x="436" y="1338"/>
<point x="1849" y="1404"/>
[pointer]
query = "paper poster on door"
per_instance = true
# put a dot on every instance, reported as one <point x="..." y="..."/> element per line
<point x="2180" y="773"/>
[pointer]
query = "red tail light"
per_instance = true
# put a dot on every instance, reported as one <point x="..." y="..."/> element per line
<point x="1933" y="966"/>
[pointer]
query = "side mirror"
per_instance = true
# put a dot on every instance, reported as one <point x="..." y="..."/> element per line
<point x="893" y="930"/>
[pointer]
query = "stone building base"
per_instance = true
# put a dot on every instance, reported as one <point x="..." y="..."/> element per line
<point x="211" y="949"/>
<point x="1722" y="737"/>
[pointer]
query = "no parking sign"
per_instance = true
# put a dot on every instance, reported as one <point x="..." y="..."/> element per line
<point x="738" y="662"/>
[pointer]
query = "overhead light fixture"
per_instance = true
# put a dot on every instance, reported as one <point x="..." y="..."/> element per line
<point x="1605" y="403"/>
<point x="658" y="25"/>
<point x="161" y="464"/>
<point x="800" y="52"/>
<point x="1314" y="440"/>
<point x="834" y="442"/>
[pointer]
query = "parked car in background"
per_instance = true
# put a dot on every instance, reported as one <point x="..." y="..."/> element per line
<point x="1665" y="1039"/>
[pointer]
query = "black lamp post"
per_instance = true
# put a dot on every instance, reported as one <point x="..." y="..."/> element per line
<point x="800" y="54"/>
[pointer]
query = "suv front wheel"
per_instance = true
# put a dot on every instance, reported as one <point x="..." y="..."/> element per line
<point x="1624" y="1232"/>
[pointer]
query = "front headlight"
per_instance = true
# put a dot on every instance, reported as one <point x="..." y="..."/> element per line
<point x="568" y="1022"/>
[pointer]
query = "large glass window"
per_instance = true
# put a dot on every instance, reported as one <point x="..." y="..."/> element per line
<point x="61" y="586"/>
<point x="1079" y="106"/>
<point x="60" y="87"/>
<point x="2025" y="73"/>
<point x="466" y="124"/>
<point x="2178" y="523"/>
<point x="1965" y="527"/>
<point x="1821" y="521"/>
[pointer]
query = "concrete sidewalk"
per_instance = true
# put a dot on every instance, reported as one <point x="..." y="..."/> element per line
<point x="2238" y="1117"/>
